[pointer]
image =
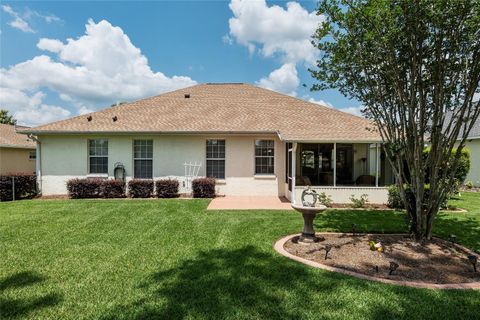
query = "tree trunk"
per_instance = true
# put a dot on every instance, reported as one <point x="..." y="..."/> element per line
<point x="429" y="226"/>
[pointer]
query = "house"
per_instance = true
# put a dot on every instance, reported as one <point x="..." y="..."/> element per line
<point x="473" y="144"/>
<point x="17" y="151"/>
<point x="252" y="140"/>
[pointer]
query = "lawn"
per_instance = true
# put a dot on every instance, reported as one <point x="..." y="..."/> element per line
<point x="164" y="259"/>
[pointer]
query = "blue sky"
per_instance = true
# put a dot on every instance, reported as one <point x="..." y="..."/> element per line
<point x="121" y="51"/>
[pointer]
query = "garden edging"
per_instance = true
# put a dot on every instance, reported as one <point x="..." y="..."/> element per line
<point x="279" y="247"/>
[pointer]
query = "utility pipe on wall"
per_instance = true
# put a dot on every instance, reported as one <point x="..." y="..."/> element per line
<point x="38" y="161"/>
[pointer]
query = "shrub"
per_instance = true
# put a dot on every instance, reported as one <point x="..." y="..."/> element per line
<point x="113" y="189"/>
<point x="25" y="186"/>
<point x="469" y="185"/>
<point x="84" y="188"/>
<point x="140" y="188"/>
<point x="394" y="200"/>
<point x="167" y="188"/>
<point x="461" y="172"/>
<point x="359" y="202"/>
<point x="324" y="199"/>
<point x="203" y="188"/>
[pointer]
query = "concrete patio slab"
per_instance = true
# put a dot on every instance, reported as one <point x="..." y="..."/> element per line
<point x="249" y="203"/>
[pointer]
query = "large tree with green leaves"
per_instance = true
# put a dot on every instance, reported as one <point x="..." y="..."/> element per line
<point x="410" y="63"/>
<point x="5" y="118"/>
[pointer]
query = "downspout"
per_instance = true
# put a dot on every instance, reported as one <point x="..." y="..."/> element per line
<point x="294" y="173"/>
<point x="38" y="162"/>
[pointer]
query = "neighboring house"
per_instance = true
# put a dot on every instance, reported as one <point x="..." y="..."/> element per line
<point x="17" y="151"/>
<point x="473" y="144"/>
<point x="252" y="140"/>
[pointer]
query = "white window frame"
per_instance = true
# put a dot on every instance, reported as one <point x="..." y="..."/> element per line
<point x="96" y="156"/>
<point x="217" y="159"/>
<point x="34" y="157"/>
<point x="255" y="158"/>
<point x="134" y="158"/>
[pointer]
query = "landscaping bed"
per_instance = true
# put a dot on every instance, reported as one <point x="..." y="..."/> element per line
<point x="436" y="261"/>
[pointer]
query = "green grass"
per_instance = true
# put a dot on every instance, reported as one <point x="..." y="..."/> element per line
<point x="165" y="259"/>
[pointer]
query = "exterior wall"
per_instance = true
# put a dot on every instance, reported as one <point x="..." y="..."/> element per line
<point x="474" y="174"/>
<point x="66" y="157"/>
<point x="343" y="194"/>
<point x="16" y="160"/>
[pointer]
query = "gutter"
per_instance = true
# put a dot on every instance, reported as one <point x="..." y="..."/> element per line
<point x="16" y="146"/>
<point x="38" y="163"/>
<point x="53" y="132"/>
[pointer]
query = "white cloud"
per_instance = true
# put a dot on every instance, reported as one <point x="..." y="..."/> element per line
<point x="17" y="22"/>
<point x="51" y="45"/>
<point x="22" y="25"/>
<point x="274" y="29"/>
<point x="284" y="79"/>
<point x="102" y="66"/>
<point x="21" y="20"/>
<point x="321" y="102"/>
<point x="49" y="18"/>
<point x="30" y="109"/>
<point x="352" y="110"/>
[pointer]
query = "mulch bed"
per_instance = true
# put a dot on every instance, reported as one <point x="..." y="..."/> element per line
<point x="436" y="261"/>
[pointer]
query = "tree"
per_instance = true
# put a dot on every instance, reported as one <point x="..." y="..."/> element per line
<point x="411" y="63"/>
<point x="5" y="118"/>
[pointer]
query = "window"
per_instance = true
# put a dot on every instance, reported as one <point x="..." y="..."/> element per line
<point x="32" y="155"/>
<point x="98" y="155"/>
<point x="264" y="156"/>
<point x="216" y="159"/>
<point x="315" y="164"/>
<point x="143" y="159"/>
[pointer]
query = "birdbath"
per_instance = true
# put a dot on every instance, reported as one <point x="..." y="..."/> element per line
<point x="308" y="211"/>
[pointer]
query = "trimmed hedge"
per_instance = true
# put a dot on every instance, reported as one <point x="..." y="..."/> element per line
<point x="25" y="186"/>
<point x="95" y="188"/>
<point x="166" y="188"/>
<point x="85" y="188"/>
<point x="113" y="189"/>
<point x="140" y="188"/>
<point x="203" y="188"/>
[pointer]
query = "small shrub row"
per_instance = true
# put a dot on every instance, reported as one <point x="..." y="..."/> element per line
<point x="137" y="188"/>
<point x="84" y="188"/>
<point x="203" y="188"/>
<point x="140" y="188"/>
<point x="166" y="188"/>
<point x="25" y="186"/>
<point x="113" y="189"/>
<point x="143" y="188"/>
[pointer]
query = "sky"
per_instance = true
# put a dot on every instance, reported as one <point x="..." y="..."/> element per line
<point x="59" y="59"/>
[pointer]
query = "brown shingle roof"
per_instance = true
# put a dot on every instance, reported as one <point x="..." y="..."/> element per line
<point x="226" y="108"/>
<point x="10" y="138"/>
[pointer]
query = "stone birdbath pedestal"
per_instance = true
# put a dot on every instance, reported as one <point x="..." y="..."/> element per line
<point x="309" y="210"/>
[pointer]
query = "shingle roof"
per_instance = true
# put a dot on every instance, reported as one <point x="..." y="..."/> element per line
<point x="474" y="133"/>
<point x="225" y="108"/>
<point x="10" y="138"/>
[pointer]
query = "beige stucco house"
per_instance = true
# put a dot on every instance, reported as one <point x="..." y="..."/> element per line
<point x="252" y="140"/>
<point x="17" y="151"/>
